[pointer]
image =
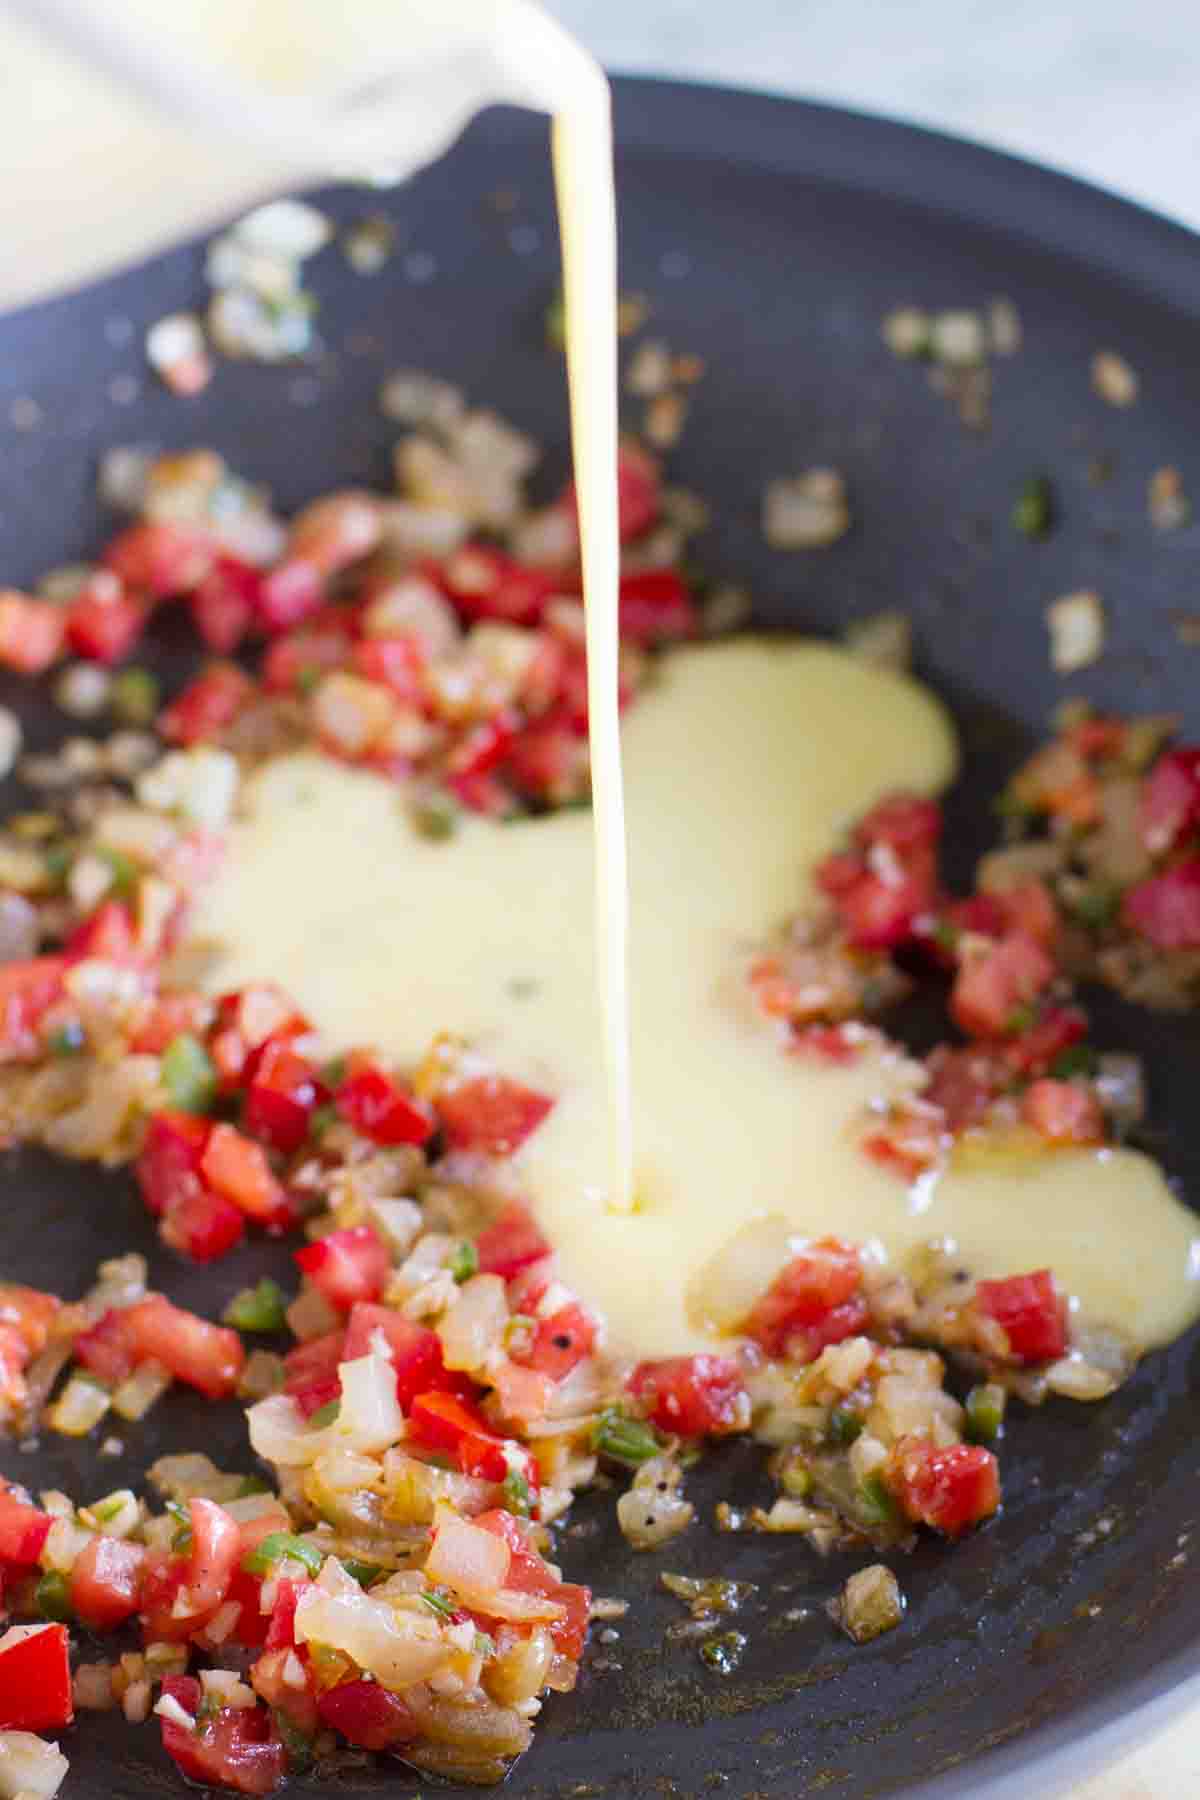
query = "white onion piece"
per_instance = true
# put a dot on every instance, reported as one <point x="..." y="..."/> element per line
<point x="471" y="1561"/>
<point x="279" y="1433"/>
<point x="369" y="1417"/>
<point x="723" y="1290"/>
<point x="475" y="1323"/>
<point x="29" y="1765"/>
<point x="398" y="1649"/>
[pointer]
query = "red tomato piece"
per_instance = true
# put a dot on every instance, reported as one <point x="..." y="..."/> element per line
<point x="298" y="1705"/>
<point x="347" y="1265"/>
<point x="816" y="1293"/>
<point x="397" y="663"/>
<point x="491" y="1113"/>
<point x="991" y="987"/>
<point x="224" y="604"/>
<point x="288" y="594"/>
<point x="546" y="759"/>
<point x="380" y="1107"/>
<point x="1166" y="909"/>
<point x="207" y="705"/>
<point x="215" y="1554"/>
<point x="235" y="1748"/>
<point x="170" y="1017"/>
<point x="108" y="935"/>
<point x="23" y="1530"/>
<point x="160" y="560"/>
<point x="1054" y="1031"/>
<point x="693" y="1396"/>
<point x="27" y="992"/>
<point x="31" y="632"/>
<point x="965" y="1082"/>
<point x="299" y="657"/>
<point x="906" y="822"/>
<point x="106" y="1348"/>
<point x="206" y="1357"/>
<point x="281" y="1633"/>
<point x="484" y="747"/>
<point x="281" y="1097"/>
<point x="237" y="1168"/>
<point x="1032" y="1312"/>
<point x="311" y="1371"/>
<point x="442" y="1421"/>
<point x="484" y="583"/>
<point x="171" y="1156"/>
<point x="529" y="1574"/>
<point x="1169" y="803"/>
<point x="367" y="1714"/>
<point x="950" y="1489"/>
<point x="511" y="1243"/>
<point x="35" y="1681"/>
<point x="105" y="1582"/>
<point x="656" y="607"/>
<point x="104" y="628"/>
<point x="1063" y="1112"/>
<point x="561" y="1342"/>
<point x="28" y="1313"/>
<point x="200" y="1223"/>
<point x="415" y="1351"/>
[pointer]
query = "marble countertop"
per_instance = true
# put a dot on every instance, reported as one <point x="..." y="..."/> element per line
<point x="1096" y="90"/>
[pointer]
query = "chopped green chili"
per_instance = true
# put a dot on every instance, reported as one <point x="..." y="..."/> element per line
<point x="188" y="1074"/>
<point x="463" y="1261"/>
<point x="985" y="1412"/>
<point x="624" y="1440"/>
<point x="517" y="1496"/>
<point x="53" y="1597"/>
<point x="261" y="1308"/>
<point x="275" y="1547"/>
<point x="1033" y="509"/>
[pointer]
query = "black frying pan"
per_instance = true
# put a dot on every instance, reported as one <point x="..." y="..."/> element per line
<point x="771" y="238"/>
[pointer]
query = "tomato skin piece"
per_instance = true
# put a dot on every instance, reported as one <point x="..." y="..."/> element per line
<point x="207" y="1357"/>
<point x="656" y="607"/>
<point x="281" y="1097"/>
<point x="172" y="1153"/>
<point x="561" y="1342"/>
<point x="693" y="1396"/>
<point x="207" y="705"/>
<point x="511" y="1243"/>
<point x="816" y="1285"/>
<point x="949" y="1489"/>
<point x="367" y="1715"/>
<point x="991" y="986"/>
<point x="237" y="1168"/>
<point x="1031" y="1311"/>
<point x="35" y="1682"/>
<point x="1166" y="908"/>
<point x="105" y="1582"/>
<point x="442" y="1421"/>
<point x="103" y="628"/>
<point x="379" y="1107"/>
<point x="31" y="632"/>
<point x="529" y="1574"/>
<point x="27" y="992"/>
<point x="347" y="1265"/>
<point x="23" y="1531"/>
<point x="233" y="1749"/>
<point x="200" y="1223"/>
<point x="491" y="1113"/>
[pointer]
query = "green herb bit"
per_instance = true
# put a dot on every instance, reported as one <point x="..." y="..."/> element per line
<point x="624" y="1440"/>
<point x="985" y="1412"/>
<point x="875" y="1504"/>
<point x="134" y="696"/>
<point x="844" y="1426"/>
<point x="125" y="871"/>
<point x="307" y="679"/>
<point x="723" y="1651"/>
<point x="436" y="815"/>
<point x="188" y="1074"/>
<point x="1020" y="1020"/>
<point x="208" y="1709"/>
<point x="556" y="321"/>
<point x="1033" y="510"/>
<point x="463" y="1261"/>
<point x="517" y="1497"/>
<point x="275" y="1547"/>
<point x="261" y="1308"/>
<point x="253" y="1484"/>
<point x="321" y="1118"/>
<point x="182" y="1540"/>
<point x="53" y="1597"/>
<point x="1097" y="906"/>
<point x="325" y="1415"/>
<point x="796" y="1480"/>
<point x="299" y="1747"/>
<point x="69" y="1039"/>
<point x="1079" y="1059"/>
<point x="105" y="1510"/>
<point x="438" y="1601"/>
<point x="58" y="859"/>
<point x="946" y="936"/>
<point x="362" y="1572"/>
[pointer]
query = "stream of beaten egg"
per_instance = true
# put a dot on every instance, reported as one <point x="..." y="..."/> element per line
<point x="746" y="762"/>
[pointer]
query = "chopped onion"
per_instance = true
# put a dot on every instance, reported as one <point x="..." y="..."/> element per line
<point x="134" y="1397"/>
<point x="397" y="1648"/>
<point x="1077" y="631"/>
<point x="653" y="1511"/>
<point x="280" y="1433"/>
<point x="474" y="1325"/>
<point x="870" y="1603"/>
<point x="807" y="512"/>
<point x="723" y="1290"/>
<point x="81" y="1405"/>
<point x="369" y="1417"/>
<point x="29" y="1766"/>
<point x="471" y="1561"/>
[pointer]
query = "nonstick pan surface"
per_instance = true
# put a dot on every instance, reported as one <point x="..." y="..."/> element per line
<point x="771" y="238"/>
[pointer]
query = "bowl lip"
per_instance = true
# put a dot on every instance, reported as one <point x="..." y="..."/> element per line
<point x="1110" y="238"/>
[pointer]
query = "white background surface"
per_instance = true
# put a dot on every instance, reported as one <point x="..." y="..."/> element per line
<point x="1104" y="90"/>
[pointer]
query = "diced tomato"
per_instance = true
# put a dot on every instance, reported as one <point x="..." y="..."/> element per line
<point x="981" y="914"/>
<point x="14" y="1355"/>
<point x="35" y="1681"/>
<point x="816" y="1294"/>
<point x="367" y="1714"/>
<point x="269" y="1678"/>
<point x="656" y="607"/>
<point x="512" y="1242"/>
<point x="160" y="559"/>
<point x="215" y="1554"/>
<point x="206" y="1357"/>
<point x="380" y="1107"/>
<point x="31" y="632"/>
<point x="907" y="822"/>
<point x="105" y="1582"/>
<point x="397" y="663"/>
<point x="879" y="914"/>
<point x="991" y="987"/>
<point x="27" y="992"/>
<point x="694" y="1396"/>
<point x="28" y="1313"/>
<point x="311" y="1371"/>
<point x="237" y="1168"/>
<point x="164" y="1615"/>
<point x="170" y="1159"/>
<point x="529" y="1574"/>
<point x="300" y="656"/>
<point x="965" y="1083"/>
<point x="207" y="705"/>
<point x="484" y="747"/>
<point x="200" y="1223"/>
<point x="288" y="594"/>
<point x="442" y="1421"/>
<point x="1032" y="1312"/>
<point x="1166" y="909"/>
<point x="23" y="1530"/>
<point x="104" y="628"/>
<point x="484" y="583"/>
<point x="281" y="1633"/>
<point x="259" y="1013"/>
<point x="561" y="1342"/>
<point x="527" y="1288"/>
<point x="1169" y="803"/>
<point x="415" y="1350"/>
<point x="546" y="759"/>
<point x="234" y="1748"/>
<point x="170" y="1016"/>
<point x="1056" y="1029"/>
<point x="485" y="794"/>
<point x="1030" y="908"/>
<point x="950" y="1489"/>
<point x="282" y="1094"/>
<point x="109" y="935"/>
<point x="347" y="1265"/>
<point x="491" y="1113"/>
<point x="1100" y="738"/>
<point x="225" y="603"/>
<point x="1063" y="1112"/>
<point x="106" y="1348"/>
